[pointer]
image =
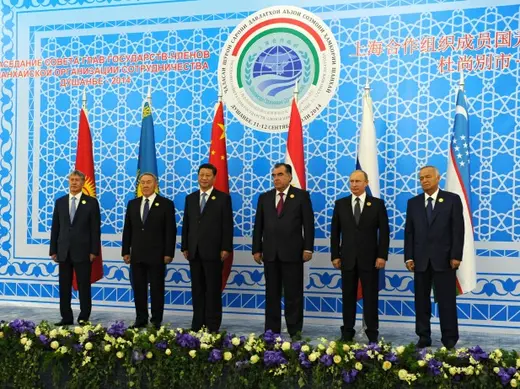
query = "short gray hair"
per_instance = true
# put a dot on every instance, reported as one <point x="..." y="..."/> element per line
<point x="431" y="167"/>
<point x="147" y="174"/>
<point x="78" y="173"/>
<point x="361" y="171"/>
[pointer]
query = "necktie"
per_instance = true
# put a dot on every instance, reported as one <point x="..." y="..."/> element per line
<point x="72" y="209"/>
<point x="203" y="201"/>
<point x="146" y="209"/>
<point x="357" y="211"/>
<point x="429" y="210"/>
<point x="279" y="206"/>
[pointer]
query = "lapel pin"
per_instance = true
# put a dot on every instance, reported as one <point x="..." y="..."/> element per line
<point x="291" y="196"/>
<point x="83" y="202"/>
<point x="213" y="198"/>
<point x="369" y="204"/>
<point x="441" y="200"/>
<point x="156" y="204"/>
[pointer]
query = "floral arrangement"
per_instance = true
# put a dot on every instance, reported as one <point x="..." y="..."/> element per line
<point x="91" y="356"/>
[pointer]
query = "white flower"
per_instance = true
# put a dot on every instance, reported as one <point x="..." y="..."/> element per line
<point x="513" y="383"/>
<point x="54" y="345"/>
<point x="53" y="333"/>
<point x="443" y="349"/>
<point x="305" y="348"/>
<point x="496" y="370"/>
<point x="330" y="351"/>
<point x="37" y="331"/>
<point x="64" y="350"/>
<point x="78" y="330"/>
<point x="498" y="353"/>
<point x="453" y="370"/>
<point x="248" y="347"/>
<point x="204" y="346"/>
<point x="29" y="343"/>
<point x="88" y="346"/>
<point x="346" y="347"/>
<point x="313" y="357"/>
<point x="403" y="374"/>
<point x="387" y="365"/>
<point x="358" y="366"/>
<point x="168" y="351"/>
<point x="151" y="338"/>
<point x="518" y="363"/>
<point x="120" y="354"/>
<point x="149" y="355"/>
<point x="235" y="341"/>
<point x="421" y="363"/>
<point x="193" y="353"/>
<point x="399" y="350"/>
<point x="337" y="359"/>
<point x="228" y="356"/>
<point x="427" y="357"/>
<point x="321" y="347"/>
<point x="332" y="344"/>
<point x="286" y="346"/>
<point x="254" y="359"/>
<point x="23" y="341"/>
<point x="278" y="339"/>
<point x="108" y="348"/>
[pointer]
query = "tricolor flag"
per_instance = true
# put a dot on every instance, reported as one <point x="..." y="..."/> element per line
<point x="367" y="161"/>
<point x="147" y="162"/>
<point x="218" y="158"/>
<point x="458" y="181"/>
<point x="85" y="164"/>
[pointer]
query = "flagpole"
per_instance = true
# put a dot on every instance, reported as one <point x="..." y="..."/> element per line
<point x="84" y="101"/>
<point x="461" y="81"/>
<point x="149" y="96"/>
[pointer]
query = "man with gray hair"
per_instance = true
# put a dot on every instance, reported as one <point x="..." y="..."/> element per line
<point x="148" y="246"/>
<point x="75" y="243"/>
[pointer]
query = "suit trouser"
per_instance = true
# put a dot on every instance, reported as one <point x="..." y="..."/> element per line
<point x="83" y="270"/>
<point x="445" y="290"/>
<point x="141" y="274"/>
<point x="206" y="294"/>
<point x="370" y="286"/>
<point x="289" y="276"/>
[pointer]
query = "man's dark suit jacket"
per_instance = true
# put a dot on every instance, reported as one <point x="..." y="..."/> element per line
<point x="208" y="233"/>
<point x="78" y="239"/>
<point x="281" y="236"/>
<point x="438" y="242"/>
<point x="155" y="239"/>
<point x="367" y="241"/>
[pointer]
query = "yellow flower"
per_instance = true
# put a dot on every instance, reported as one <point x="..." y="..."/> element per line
<point x="228" y="356"/>
<point x="312" y="357"/>
<point x="23" y="341"/>
<point x="286" y="346"/>
<point x="64" y="350"/>
<point x="399" y="350"/>
<point x="37" y="331"/>
<point x="88" y="346"/>
<point x="149" y="355"/>
<point x="403" y="374"/>
<point x="254" y="359"/>
<point x="513" y="383"/>
<point x="321" y="347"/>
<point x="337" y="359"/>
<point x="496" y="370"/>
<point x="305" y="348"/>
<point x="53" y="333"/>
<point x="120" y="354"/>
<point x="1" y="334"/>
<point x="192" y="353"/>
<point x="332" y="344"/>
<point x="421" y="363"/>
<point x="78" y="330"/>
<point x="346" y="347"/>
<point x="387" y="365"/>
<point x="54" y="345"/>
<point x="330" y="351"/>
<point x="498" y="353"/>
<point x="85" y="361"/>
<point x="453" y="370"/>
<point x="108" y="348"/>
<point x="151" y="338"/>
<point x="235" y="341"/>
<point x="168" y="351"/>
<point x="358" y="366"/>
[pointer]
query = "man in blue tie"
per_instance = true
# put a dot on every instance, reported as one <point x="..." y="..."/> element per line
<point x="149" y="237"/>
<point x="207" y="240"/>
<point x="433" y="245"/>
<point x="75" y="243"/>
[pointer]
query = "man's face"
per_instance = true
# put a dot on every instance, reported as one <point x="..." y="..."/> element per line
<point x="75" y="184"/>
<point x="206" y="179"/>
<point x="148" y="185"/>
<point x="358" y="183"/>
<point x="429" y="180"/>
<point x="281" y="178"/>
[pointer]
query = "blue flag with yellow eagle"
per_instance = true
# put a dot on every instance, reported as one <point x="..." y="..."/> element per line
<point x="147" y="162"/>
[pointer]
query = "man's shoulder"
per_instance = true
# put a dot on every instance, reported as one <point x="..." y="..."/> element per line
<point x="447" y="194"/>
<point x="344" y="199"/>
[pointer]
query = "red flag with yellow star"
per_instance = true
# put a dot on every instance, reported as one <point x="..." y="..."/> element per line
<point x="218" y="158"/>
<point x="85" y="164"/>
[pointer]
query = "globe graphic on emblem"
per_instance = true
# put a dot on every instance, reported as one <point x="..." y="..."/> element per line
<point x="276" y="69"/>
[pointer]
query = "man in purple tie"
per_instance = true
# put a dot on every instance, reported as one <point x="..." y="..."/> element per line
<point x="283" y="239"/>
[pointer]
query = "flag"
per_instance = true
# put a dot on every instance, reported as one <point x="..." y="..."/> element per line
<point x="85" y="164"/>
<point x="147" y="162"/>
<point x="218" y="158"/>
<point x="367" y="161"/>
<point x="458" y="181"/>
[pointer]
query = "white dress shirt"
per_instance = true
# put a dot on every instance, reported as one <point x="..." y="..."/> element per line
<point x="151" y="199"/>
<point x="362" y="199"/>
<point x="208" y="194"/>
<point x="78" y="199"/>
<point x="277" y="197"/>
<point x="433" y="196"/>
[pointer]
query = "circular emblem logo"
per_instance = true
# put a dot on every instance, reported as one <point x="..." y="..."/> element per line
<point x="275" y="55"/>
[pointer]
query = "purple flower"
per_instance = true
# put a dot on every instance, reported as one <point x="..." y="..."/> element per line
<point x="226" y="343"/>
<point x="162" y="345"/>
<point x="296" y="346"/>
<point x="44" y="340"/>
<point x="326" y="360"/>
<point x="361" y="355"/>
<point x="505" y="375"/>
<point x="391" y="357"/>
<point x="77" y="347"/>
<point x="270" y="337"/>
<point x="478" y="354"/>
<point x="215" y="355"/>
<point x="137" y="356"/>
<point x="434" y="367"/>
<point x="374" y="347"/>
<point x="350" y="376"/>
<point x="187" y="341"/>
<point x="274" y="358"/>
<point x="117" y="329"/>
<point x="22" y="326"/>
<point x="304" y="361"/>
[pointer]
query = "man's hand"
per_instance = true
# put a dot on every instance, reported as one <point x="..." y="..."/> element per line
<point x="380" y="263"/>
<point x="223" y="255"/>
<point x="455" y="263"/>
<point x="307" y="256"/>
<point x="168" y="260"/>
<point x="186" y="254"/>
<point x="54" y="257"/>
<point x="410" y="265"/>
<point x="126" y="258"/>
<point x="336" y="263"/>
<point x="258" y="258"/>
<point x="92" y="257"/>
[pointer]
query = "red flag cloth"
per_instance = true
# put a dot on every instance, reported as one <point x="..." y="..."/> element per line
<point x="218" y="158"/>
<point x="85" y="164"/>
<point x="294" y="155"/>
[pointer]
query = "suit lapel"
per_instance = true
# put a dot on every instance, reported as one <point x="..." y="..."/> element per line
<point x="209" y="200"/>
<point x="366" y="209"/>
<point x="155" y="204"/>
<point x="288" y="201"/>
<point x="439" y="204"/>
<point x="350" y="211"/>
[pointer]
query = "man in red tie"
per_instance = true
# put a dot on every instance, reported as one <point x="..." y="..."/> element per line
<point x="283" y="239"/>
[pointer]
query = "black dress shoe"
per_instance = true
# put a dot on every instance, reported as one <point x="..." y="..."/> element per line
<point x="449" y="344"/>
<point x="347" y="338"/>
<point x="423" y="342"/>
<point x="372" y="340"/>
<point x="138" y="324"/>
<point x="296" y="337"/>
<point x="156" y="325"/>
<point x="82" y="322"/>
<point x="64" y="323"/>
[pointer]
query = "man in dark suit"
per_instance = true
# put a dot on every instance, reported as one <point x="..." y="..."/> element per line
<point x="433" y="244"/>
<point x="359" y="240"/>
<point x="75" y="243"/>
<point x="283" y="239"/>
<point x="207" y="240"/>
<point x="148" y="246"/>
